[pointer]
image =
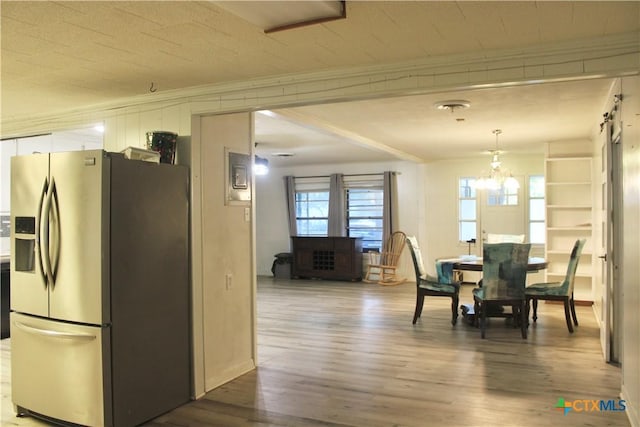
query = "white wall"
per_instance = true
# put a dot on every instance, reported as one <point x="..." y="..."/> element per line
<point x="630" y="275"/>
<point x="224" y="256"/>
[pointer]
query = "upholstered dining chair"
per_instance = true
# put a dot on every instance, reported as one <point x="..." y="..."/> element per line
<point x="383" y="266"/>
<point x="504" y="275"/>
<point x="442" y="286"/>
<point x="558" y="291"/>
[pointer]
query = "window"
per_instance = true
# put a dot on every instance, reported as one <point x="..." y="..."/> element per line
<point x="467" y="209"/>
<point x="536" y="209"/>
<point x="364" y="216"/>
<point x="312" y="213"/>
<point x="362" y="207"/>
<point x="502" y="196"/>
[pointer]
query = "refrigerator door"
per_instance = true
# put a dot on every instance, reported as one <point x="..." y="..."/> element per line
<point x="29" y="184"/>
<point x="57" y="369"/>
<point x="79" y="223"/>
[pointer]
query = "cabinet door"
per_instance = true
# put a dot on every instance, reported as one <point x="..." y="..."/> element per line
<point x="343" y="263"/>
<point x="303" y="260"/>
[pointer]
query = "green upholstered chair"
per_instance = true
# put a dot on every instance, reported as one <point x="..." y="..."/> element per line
<point x="558" y="291"/>
<point x="504" y="275"/>
<point x="426" y="285"/>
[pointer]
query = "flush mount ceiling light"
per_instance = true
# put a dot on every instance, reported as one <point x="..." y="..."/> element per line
<point x="453" y="104"/>
<point x="274" y="16"/>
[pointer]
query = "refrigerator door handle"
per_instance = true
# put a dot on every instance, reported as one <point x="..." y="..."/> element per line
<point x="55" y="334"/>
<point x="55" y="236"/>
<point x="39" y="229"/>
<point x="44" y="246"/>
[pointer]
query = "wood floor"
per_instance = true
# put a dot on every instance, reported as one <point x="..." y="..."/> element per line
<point x="346" y="354"/>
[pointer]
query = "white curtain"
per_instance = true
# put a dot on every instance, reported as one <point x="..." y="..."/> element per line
<point x="336" y="226"/>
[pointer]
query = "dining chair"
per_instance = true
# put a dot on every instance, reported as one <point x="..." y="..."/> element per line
<point x="383" y="266"/>
<point x="558" y="291"/>
<point x="442" y="286"/>
<point x="504" y="275"/>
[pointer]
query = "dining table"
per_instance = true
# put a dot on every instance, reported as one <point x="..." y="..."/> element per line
<point x="474" y="263"/>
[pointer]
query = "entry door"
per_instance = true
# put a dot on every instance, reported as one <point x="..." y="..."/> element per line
<point x="604" y="257"/>
<point x="503" y="219"/>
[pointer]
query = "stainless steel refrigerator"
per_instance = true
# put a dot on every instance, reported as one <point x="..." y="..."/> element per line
<point x="100" y="332"/>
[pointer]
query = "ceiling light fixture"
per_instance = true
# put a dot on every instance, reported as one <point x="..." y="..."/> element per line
<point x="453" y="104"/>
<point x="497" y="178"/>
<point x="274" y="16"/>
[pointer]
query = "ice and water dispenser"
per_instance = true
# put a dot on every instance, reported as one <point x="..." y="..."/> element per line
<point x="25" y="243"/>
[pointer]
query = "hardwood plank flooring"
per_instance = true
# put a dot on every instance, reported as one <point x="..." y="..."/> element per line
<point x="346" y="354"/>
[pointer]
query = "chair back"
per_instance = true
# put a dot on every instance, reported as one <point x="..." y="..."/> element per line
<point x="505" y="238"/>
<point x="416" y="256"/>
<point x="572" y="267"/>
<point x="504" y="270"/>
<point x="392" y="248"/>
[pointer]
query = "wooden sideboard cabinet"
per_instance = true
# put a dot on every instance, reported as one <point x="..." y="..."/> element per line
<point x="337" y="258"/>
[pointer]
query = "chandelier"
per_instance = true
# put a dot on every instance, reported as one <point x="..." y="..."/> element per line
<point x="497" y="178"/>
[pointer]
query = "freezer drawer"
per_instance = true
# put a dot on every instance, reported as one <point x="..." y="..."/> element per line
<point x="57" y="369"/>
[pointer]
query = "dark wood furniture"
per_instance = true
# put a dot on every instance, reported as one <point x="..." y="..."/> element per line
<point x="6" y="297"/>
<point x="336" y="258"/>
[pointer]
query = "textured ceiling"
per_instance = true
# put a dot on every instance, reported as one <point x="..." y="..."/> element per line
<point x="62" y="55"/>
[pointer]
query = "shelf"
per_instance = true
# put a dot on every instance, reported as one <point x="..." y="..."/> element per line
<point x="582" y="228"/>
<point x="552" y="184"/>
<point x="576" y="207"/>
<point x="552" y="252"/>
<point x="568" y="159"/>
<point x="569" y="215"/>
<point x="563" y="274"/>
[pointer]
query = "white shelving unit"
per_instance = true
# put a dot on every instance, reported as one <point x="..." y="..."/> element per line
<point x="569" y="210"/>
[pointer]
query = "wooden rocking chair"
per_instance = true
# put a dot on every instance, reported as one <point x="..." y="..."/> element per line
<point x="382" y="268"/>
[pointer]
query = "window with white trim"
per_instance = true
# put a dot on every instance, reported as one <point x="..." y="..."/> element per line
<point x="364" y="199"/>
<point x="312" y="206"/>
<point x="502" y="196"/>
<point x="365" y="216"/>
<point x="467" y="209"/>
<point x="363" y="203"/>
